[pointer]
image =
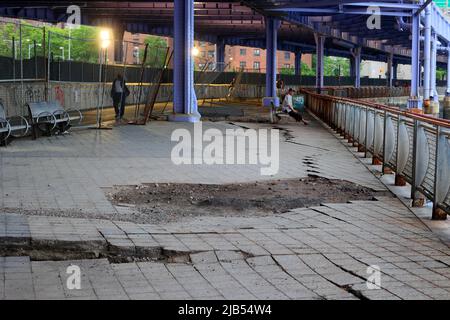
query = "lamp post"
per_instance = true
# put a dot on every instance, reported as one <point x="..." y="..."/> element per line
<point x="105" y="42"/>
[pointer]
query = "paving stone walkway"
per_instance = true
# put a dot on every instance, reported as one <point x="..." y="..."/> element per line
<point x="314" y="253"/>
<point x="69" y="173"/>
<point x="321" y="252"/>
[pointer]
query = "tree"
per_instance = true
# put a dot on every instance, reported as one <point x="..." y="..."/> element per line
<point x="83" y="43"/>
<point x="157" y="51"/>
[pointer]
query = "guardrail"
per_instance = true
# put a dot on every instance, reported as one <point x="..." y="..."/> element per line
<point x="366" y="92"/>
<point x="416" y="147"/>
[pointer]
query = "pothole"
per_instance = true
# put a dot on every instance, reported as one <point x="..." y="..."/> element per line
<point x="167" y="202"/>
<point x="62" y="251"/>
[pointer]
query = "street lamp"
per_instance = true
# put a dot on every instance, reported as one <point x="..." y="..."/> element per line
<point x="105" y="39"/>
<point x="195" y="51"/>
<point x="105" y="42"/>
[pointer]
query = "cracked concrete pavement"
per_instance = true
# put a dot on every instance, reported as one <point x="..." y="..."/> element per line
<point x="321" y="252"/>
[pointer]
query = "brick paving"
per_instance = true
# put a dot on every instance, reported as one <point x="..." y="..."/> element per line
<point x="311" y="253"/>
<point x="67" y="173"/>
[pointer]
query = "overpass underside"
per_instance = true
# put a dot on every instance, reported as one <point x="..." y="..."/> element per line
<point x="412" y="32"/>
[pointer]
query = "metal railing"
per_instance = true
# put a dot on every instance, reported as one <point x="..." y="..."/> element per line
<point x="366" y="92"/>
<point x="416" y="147"/>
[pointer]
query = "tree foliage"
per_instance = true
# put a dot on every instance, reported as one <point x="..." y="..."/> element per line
<point x="157" y="51"/>
<point x="83" y="45"/>
<point x="333" y="67"/>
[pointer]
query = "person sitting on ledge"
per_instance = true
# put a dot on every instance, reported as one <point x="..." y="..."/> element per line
<point x="288" y="108"/>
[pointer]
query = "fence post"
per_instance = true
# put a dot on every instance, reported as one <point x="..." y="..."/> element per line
<point x="418" y="200"/>
<point x="366" y="147"/>
<point x="375" y="157"/>
<point x="441" y="177"/>
<point x="385" y="169"/>
<point x="399" y="179"/>
<point x="14" y="57"/>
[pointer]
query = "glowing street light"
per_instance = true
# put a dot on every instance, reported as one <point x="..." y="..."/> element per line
<point x="105" y="39"/>
<point x="195" y="52"/>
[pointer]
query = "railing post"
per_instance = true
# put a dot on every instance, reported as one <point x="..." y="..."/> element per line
<point x="399" y="179"/>
<point x="361" y="146"/>
<point x="384" y="171"/>
<point x="355" y="108"/>
<point x="440" y="180"/>
<point x="366" y="147"/>
<point x="417" y="198"/>
<point x="375" y="158"/>
<point x="344" y="123"/>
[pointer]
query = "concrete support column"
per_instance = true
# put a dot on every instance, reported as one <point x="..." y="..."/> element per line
<point x="434" y="42"/>
<point x="320" y="54"/>
<point x="414" y="101"/>
<point x="390" y="71"/>
<point x="356" y="66"/>
<point x="427" y="54"/>
<point x="184" y="98"/>
<point x="447" y="94"/>
<point x="272" y="26"/>
<point x="298" y="63"/>
<point x="448" y="69"/>
<point x="220" y="54"/>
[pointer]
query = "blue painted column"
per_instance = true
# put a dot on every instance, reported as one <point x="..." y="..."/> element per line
<point x="427" y="54"/>
<point x="414" y="101"/>
<point x="356" y="66"/>
<point x="184" y="98"/>
<point x="448" y="68"/>
<point x="220" y="54"/>
<point x="298" y="63"/>
<point x="272" y="25"/>
<point x="434" y="42"/>
<point x="320" y="48"/>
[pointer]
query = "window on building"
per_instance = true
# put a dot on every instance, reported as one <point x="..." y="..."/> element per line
<point x="243" y="52"/>
<point x="211" y="54"/>
<point x="287" y="56"/>
<point x="287" y="66"/>
<point x="242" y="64"/>
<point x="257" y="52"/>
<point x="202" y="44"/>
<point x="256" y="65"/>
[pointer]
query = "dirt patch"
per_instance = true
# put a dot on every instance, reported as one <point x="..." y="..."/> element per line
<point x="166" y="202"/>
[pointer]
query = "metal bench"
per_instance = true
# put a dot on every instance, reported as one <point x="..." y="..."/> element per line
<point x="50" y="116"/>
<point x="16" y="126"/>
